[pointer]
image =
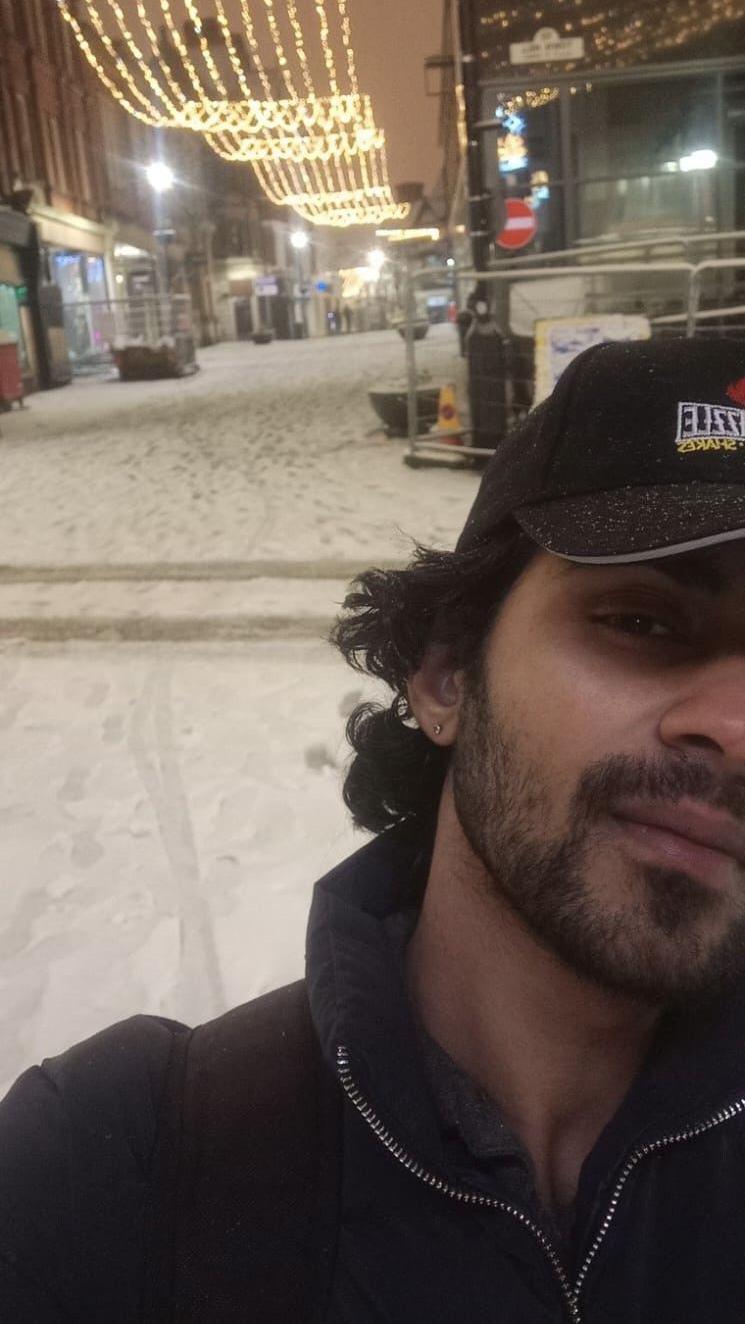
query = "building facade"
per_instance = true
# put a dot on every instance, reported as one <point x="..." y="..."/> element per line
<point x="80" y="223"/>
<point x="612" y="123"/>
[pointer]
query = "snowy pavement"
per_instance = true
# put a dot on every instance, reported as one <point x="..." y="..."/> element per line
<point x="166" y="806"/>
<point x="265" y="455"/>
<point x="165" y="811"/>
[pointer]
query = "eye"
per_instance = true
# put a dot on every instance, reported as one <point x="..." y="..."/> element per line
<point x="641" y="624"/>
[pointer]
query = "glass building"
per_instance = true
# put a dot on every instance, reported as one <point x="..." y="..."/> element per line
<point x="614" y="123"/>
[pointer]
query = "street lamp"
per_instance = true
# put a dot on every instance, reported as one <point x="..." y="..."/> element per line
<point x="160" y="177"/>
<point x="299" y="240"/>
<point x="702" y="159"/>
<point x="376" y="260"/>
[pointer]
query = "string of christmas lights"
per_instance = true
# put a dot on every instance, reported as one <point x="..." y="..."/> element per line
<point x="322" y="155"/>
<point x="615" y="35"/>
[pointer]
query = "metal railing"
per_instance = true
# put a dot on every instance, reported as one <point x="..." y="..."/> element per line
<point x="671" y="298"/>
<point x="96" y="329"/>
<point x="685" y="245"/>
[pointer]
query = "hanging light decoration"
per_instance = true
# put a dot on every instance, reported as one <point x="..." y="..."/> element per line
<point x="322" y="155"/>
<point x="615" y="34"/>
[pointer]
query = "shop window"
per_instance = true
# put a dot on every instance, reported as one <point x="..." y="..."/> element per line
<point x="10" y="320"/>
<point x="639" y="128"/>
<point x="644" y="156"/>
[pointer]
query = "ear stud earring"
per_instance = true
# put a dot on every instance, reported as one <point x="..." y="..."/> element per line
<point x="438" y="729"/>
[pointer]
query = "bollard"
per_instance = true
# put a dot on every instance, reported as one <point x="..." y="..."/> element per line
<point x="488" y="370"/>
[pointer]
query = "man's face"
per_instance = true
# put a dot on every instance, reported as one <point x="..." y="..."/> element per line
<point x="599" y="768"/>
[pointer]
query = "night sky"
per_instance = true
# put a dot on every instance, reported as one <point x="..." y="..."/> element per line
<point x="391" y="40"/>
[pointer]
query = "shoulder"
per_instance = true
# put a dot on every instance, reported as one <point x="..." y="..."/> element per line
<point x="114" y="1077"/>
<point x="76" y="1139"/>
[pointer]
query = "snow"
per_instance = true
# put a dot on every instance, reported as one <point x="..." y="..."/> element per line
<point x="165" y="811"/>
<point x="166" y="806"/>
<point x="265" y="454"/>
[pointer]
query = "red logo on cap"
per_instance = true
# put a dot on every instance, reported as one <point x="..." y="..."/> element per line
<point x="736" y="391"/>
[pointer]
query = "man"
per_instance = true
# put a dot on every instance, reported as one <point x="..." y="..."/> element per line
<point x="522" y="1094"/>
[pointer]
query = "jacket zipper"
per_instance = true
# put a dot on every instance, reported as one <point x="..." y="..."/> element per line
<point x="570" y="1294"/>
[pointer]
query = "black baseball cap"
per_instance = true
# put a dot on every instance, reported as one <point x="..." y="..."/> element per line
<point x="639" y="452"/>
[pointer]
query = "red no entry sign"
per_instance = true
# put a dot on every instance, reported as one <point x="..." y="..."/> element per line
<point x="520" y="226"/>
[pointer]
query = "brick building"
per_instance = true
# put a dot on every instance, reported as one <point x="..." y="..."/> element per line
<point x="78" y="215"/>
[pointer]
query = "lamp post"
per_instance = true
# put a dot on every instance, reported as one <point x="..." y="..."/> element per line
<point x="299" y="241"/>
<point x="376" y="260"/>
<point x="479" y="199"/>
<point x="161" y="179"/>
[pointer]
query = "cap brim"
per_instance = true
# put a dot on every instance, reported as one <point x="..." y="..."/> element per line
<point x="637" y="523"/>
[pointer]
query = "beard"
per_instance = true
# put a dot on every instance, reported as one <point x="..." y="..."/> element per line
<point x="651" y="933"/>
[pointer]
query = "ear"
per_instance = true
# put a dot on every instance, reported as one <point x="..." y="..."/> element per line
<point x="435" y="692"/>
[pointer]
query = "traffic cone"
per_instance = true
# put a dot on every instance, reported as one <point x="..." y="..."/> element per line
<point x="448" y="423"/>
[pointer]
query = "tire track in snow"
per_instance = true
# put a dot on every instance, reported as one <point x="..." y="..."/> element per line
<point x="199" y="994"/>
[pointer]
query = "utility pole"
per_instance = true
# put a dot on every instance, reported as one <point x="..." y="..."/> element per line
<point x="485" y="344"/>
<point x="479" y="210"/>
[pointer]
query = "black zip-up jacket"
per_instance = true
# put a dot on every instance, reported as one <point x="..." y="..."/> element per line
<point x="423" y="1232"/>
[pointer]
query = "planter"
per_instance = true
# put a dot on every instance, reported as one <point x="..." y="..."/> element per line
<point x="420" y="330"/>
<point x="392" y="408"/>
<point x="138" y="363"/>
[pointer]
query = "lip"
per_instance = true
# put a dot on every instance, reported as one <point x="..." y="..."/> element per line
<point x="688" y="835"/>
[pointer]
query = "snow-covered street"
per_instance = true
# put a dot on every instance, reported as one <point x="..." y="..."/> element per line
<point x="165" y="810"/>
<point x="166" y="805"/>
<point x="265" y="455"/>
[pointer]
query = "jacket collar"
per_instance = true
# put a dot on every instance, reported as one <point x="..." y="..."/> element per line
<point x="358" y="1000"/>
<point x="356" y="988"/>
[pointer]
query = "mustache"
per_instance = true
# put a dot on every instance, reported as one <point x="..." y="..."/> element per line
<point x="622" y="776"/>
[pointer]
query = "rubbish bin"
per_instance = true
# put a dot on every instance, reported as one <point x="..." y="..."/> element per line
<point x="11" y="383"/>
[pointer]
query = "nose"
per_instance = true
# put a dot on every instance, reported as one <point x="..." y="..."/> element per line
<point x="709" y="713"/>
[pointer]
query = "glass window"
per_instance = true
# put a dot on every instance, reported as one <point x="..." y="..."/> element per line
<point x="627" y="129"/>
<point x="95" y="278"/>
<point x="620" y="208"/>
<point x="644" y="156"/>
<point x="10" y="320"/>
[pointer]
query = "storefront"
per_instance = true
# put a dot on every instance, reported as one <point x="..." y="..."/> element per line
<point x="75" y="253"/>
<point x="135" y="271"/>
<point x="14" y="312"/>
<point x="615" y="154"/>
<point x="16" y="317"/>
<point x="81" y="277"/>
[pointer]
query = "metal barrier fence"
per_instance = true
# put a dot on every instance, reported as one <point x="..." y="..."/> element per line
<point x="96" y="329"/>
<point x="657" y="298"/>
<point x="656" y="245"/>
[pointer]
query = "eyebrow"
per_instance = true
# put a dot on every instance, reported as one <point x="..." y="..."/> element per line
<point x="696" y="570"/>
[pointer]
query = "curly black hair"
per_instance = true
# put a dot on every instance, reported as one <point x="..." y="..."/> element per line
<point x="389" y="619"/>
